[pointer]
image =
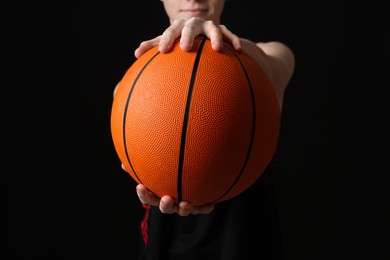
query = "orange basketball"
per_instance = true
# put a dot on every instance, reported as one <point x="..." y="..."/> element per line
<point x="200" y="126"/>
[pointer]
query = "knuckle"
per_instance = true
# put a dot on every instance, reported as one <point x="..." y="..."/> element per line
<point x="144" y="43"/>
<point x="211" y="25"/>
<point x="169" y="31"/>
<point x="194" y="20"/>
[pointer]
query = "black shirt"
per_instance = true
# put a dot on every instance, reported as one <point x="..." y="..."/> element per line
<point x="244" y="227"/>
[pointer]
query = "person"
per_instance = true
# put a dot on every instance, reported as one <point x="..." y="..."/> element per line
<point x="240" y="228"/>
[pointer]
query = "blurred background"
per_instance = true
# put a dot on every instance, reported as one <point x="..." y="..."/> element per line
<point x="65" y="194"/>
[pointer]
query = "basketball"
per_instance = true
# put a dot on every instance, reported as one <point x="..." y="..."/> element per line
<point x="199" y="126"/>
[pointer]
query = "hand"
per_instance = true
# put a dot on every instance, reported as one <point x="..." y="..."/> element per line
<point x="187" y="30"/>
<point x="168" y="205"/>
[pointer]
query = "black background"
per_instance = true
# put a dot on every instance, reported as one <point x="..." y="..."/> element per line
<point x="65" y="195"/>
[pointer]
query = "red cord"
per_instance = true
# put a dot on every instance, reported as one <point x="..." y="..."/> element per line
<point x="144" y="224"/>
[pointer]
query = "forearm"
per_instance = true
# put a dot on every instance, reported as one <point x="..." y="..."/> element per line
<point x="277" y="61"/>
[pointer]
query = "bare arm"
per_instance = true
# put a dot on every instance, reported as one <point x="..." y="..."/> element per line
<point x="276" y="59"/>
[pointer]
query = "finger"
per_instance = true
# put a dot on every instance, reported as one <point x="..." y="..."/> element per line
<point x="230" y="37"/>
<point x="191" y="28"/>
<point x="145" y="46"/>
<point x="204" y="209"/>
<point x="215" y="34"/>
<point x="146" y="197"/>
<point x="184" y="209"/>
<point x="167" y="205"/>
<point x="169" y="36"/>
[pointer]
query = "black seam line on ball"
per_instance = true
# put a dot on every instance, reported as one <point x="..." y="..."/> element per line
<point x="245" y="163"/>
<point x="185" y="120"/>
<point x="125" y="115"/>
